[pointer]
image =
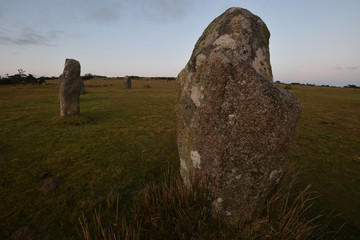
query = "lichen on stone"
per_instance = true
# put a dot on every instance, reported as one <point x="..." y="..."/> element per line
<point x="225" y="41"/>
<point x="200" y="59"/>
<point x="197" y="95"/>
<point x="260" y="64"/>
<point x="195" y="158"/>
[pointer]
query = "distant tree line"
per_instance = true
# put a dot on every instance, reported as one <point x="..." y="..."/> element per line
<point x="159" y="78"/>
<point x="21" y="78"/>
<point x="310" y="84"/>
<point x="165" y="78"/>
<point x="351" y="86"/>
<point x="89" y="76"/>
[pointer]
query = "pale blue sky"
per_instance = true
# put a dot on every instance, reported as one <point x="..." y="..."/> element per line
<point x="312" y="41"/>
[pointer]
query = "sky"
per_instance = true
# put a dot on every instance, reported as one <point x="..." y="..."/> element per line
<point x="312" y="41"/>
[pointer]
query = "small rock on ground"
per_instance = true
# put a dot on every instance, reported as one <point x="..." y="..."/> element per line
<point x="44" y="174"/>
<point x="23" y="233"/>
<point x="50" y="185"/>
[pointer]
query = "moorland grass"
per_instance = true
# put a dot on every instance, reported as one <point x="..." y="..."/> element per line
<point x="129" y="140"/>
<point x="326" y="147"/>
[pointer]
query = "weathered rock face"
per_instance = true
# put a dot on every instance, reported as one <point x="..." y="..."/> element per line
<point x="69" y="88"/>
<point x="234" y="124"/>
<point x="127" y="81"/>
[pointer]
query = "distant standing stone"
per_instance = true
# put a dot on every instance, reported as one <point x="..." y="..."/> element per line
<point x="69" y="88"/>
<point x="82" y="86"/>
<point x="127" y="81"/>
<point x="234" y="124"/>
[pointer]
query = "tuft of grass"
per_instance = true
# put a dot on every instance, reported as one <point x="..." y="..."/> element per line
<point x="165" y="211"/>
<point x="171" y="211"/>
<point x="77" y="120"/>
<point x="285" y="215"/>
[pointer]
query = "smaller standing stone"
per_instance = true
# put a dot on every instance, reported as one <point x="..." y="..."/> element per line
<point x="69" y="88"/>
<point x="127" y="81"/>
<point x="82" y="86"/>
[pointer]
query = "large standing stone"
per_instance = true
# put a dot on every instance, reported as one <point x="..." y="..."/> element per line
<point x="234" y="124"/>
<point x="69" y="88"/>
<point x="127" y="81"/>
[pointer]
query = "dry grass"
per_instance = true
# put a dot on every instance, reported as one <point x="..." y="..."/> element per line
<point x="285" y="214"/>
<point x="168" y="211"/>
<point x="171" y="211"/>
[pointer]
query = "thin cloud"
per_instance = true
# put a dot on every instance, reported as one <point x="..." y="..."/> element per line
<point x="108" y="11"/>
<point x="28" y="36"/>
<point x="353" y="68"/>
<point x="104" y="15"/>
<point x="103" y="11"/>
<point x="149" y="10"/>
<point x="349" y="68"/>
<point x="338" y="68"/>
<point x="162" y="10"/>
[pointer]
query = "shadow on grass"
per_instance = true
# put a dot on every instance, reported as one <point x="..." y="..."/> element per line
<point x="77" y="120"/>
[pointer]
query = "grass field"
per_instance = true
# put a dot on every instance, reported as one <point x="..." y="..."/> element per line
<point x="326" y="147"/>
<point x="130" y="139"/>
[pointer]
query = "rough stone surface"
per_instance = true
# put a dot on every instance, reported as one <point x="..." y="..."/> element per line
<point x="234" y="124"/>
<point x="69" y="88"/>
<point x="127" y="81"/>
